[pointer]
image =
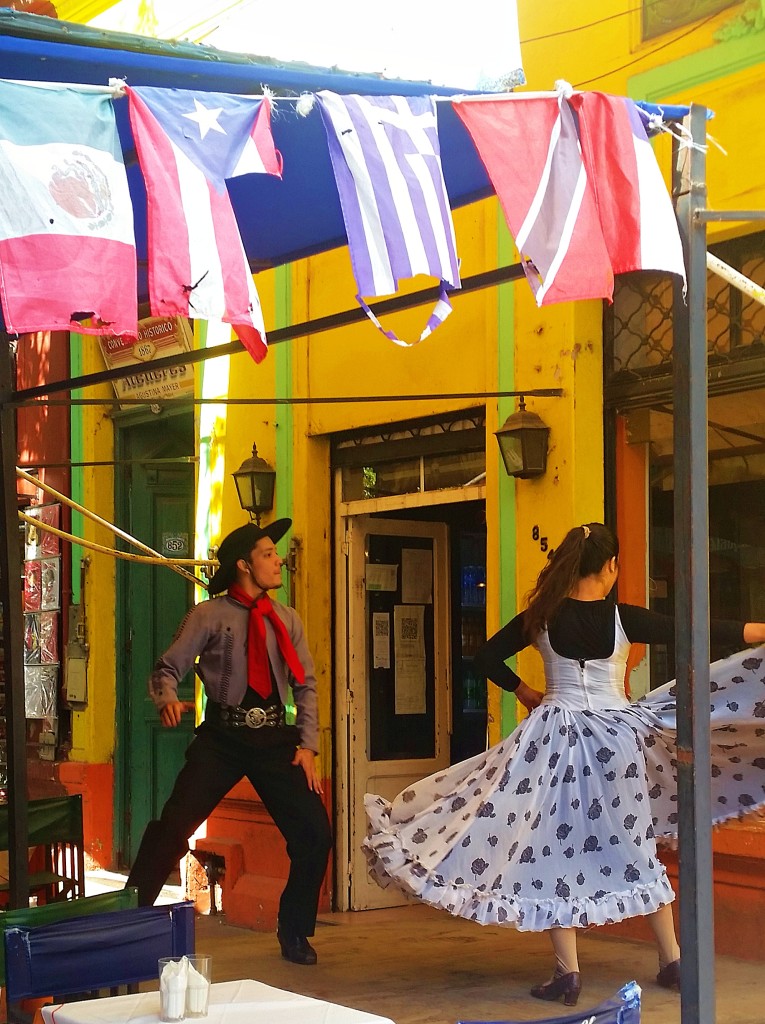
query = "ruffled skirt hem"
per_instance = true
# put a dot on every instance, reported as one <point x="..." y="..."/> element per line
<point x="390" y="863"/>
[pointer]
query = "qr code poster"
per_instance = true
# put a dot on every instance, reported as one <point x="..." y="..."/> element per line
<point x="380" y="640"/>
<point x="409" y="647"/>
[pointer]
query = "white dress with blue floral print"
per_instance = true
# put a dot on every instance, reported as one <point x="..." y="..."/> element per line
<point x="556" y="825"/>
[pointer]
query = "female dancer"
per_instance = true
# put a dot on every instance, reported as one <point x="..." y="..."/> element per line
<point x="555" y="827"/>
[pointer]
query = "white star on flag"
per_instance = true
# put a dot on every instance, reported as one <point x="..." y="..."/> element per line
<point x="197" y="263"/>
<point x="207" y="119"/>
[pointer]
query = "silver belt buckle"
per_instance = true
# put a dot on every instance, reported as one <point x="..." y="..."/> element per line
<point x="255" y="718"/>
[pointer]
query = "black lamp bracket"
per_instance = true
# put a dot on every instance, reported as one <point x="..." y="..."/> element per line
<point x="291" y="561"/>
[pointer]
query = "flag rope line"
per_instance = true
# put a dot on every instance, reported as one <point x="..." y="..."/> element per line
<point x="127" y="556"/>
<point x="175" y="564"/>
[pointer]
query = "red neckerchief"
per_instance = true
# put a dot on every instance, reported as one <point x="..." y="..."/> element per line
<point x="258" y="666"/>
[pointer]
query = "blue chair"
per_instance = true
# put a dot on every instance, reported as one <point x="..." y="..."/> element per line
<point x="85" y="954"/>
<point x="623" y="1008"/>
<point x="48" y="913"/>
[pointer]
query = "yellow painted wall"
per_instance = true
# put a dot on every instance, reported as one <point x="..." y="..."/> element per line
<point x="600" y="48"/>
<point x="737" y="181"/>
<point x="311" y="496"/>
<point x="93" y="736"/>
<point x="558" y="347"/>
<point x="735" y="178"/>
<point x="359" y="360"/>
<point x="238" y="427"/>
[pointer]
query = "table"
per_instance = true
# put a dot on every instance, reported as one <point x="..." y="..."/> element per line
<point x="231" y="1002"/>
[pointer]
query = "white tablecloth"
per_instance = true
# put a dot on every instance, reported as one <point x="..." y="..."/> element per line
<point x="231" y="1002"/>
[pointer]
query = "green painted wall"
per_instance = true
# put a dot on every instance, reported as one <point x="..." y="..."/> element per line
<point x="508" y="601"/>
<point x="282" y="354"/>
<point x="76" y="446"/>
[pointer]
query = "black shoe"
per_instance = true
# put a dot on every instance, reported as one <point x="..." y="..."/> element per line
<point x="565" y="986"/>
<point x="297" y="949"/>
<point x="669" y="976"/>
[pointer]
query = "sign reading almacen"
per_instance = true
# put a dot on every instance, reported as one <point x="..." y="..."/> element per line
<point x="158" y="336"/>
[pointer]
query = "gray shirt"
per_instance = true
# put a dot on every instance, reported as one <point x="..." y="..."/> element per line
<point x="215" y="632"/>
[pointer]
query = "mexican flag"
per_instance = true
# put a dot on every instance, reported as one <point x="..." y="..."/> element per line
<point x="67" y="248"/>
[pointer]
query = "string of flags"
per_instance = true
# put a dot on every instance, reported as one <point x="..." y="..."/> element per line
<point x="575" y="175"/>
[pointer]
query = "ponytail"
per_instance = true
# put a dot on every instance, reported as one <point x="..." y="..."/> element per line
<point x="582" y="552"/>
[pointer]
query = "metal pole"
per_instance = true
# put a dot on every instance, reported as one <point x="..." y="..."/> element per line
<point x="477" y="282"/>
<point x="689" y="364"/>
<point x="13" y="639"/>
<point x="740" y="281"/>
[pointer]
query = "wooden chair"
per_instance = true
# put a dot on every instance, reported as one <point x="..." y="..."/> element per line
<point x="55" y="826"/>
<point x="83" y="955"/>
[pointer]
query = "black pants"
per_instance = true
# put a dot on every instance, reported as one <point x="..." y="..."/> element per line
<point x="215" y="761"/>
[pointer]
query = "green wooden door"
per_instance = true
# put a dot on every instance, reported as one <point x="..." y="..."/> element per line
<point x="159" y="499"/>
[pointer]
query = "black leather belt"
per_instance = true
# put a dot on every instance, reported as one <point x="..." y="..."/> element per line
<point x="253" y="718"/>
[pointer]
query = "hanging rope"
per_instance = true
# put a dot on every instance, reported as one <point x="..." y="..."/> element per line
<point x="126" y="555"/>
<point x="155" y="558"/>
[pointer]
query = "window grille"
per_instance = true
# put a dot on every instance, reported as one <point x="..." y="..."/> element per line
<point x="638" y="328"/>
<point x="412" y="456"/>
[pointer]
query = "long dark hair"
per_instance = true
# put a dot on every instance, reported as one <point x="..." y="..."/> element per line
<point x="582" y="552"/>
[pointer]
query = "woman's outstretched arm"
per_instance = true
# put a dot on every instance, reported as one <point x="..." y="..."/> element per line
<point x="491" y="657"/>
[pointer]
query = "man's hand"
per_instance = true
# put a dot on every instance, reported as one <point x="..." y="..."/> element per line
<point x="170" y="714"/>
<point x="307" y="761"/>
<point x="529" y="698"/>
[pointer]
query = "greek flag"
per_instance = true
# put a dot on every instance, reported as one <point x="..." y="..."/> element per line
<point x="387" y="164"/>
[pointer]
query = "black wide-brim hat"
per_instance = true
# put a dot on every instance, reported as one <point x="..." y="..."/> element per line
<point x="238" y="544"/>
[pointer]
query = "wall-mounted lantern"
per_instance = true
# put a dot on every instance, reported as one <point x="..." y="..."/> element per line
<point x="255" y="485"/>
<point x="522" y="441"/>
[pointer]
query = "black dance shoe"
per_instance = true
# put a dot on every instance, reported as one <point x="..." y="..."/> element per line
<point x="297" y="949"/>
<point x="566" y="985"/>
<point x="669" y="976"/>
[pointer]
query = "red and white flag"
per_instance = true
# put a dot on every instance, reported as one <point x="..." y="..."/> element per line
<point x="634" y="206"/>
<point x="580" y="189"/>
<point x="67" y="251"/>
<point x="188" y="144"/>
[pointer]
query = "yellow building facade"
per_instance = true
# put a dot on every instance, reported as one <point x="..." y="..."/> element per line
<point x="367" y="479"/>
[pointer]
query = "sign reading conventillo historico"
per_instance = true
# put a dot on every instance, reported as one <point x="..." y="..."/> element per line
<point x="158" y="336"/>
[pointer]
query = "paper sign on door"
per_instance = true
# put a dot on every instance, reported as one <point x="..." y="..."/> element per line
<point x="380" y="640"/>
<point x="416" y="576"/>
<point x="381" y="577"/>
<point x="409" y="641"/>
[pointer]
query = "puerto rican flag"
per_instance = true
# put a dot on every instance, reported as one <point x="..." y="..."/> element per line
<point x="580" y="188"/>
<point x="188" y="144"/>
<point x="67" y="250"/>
